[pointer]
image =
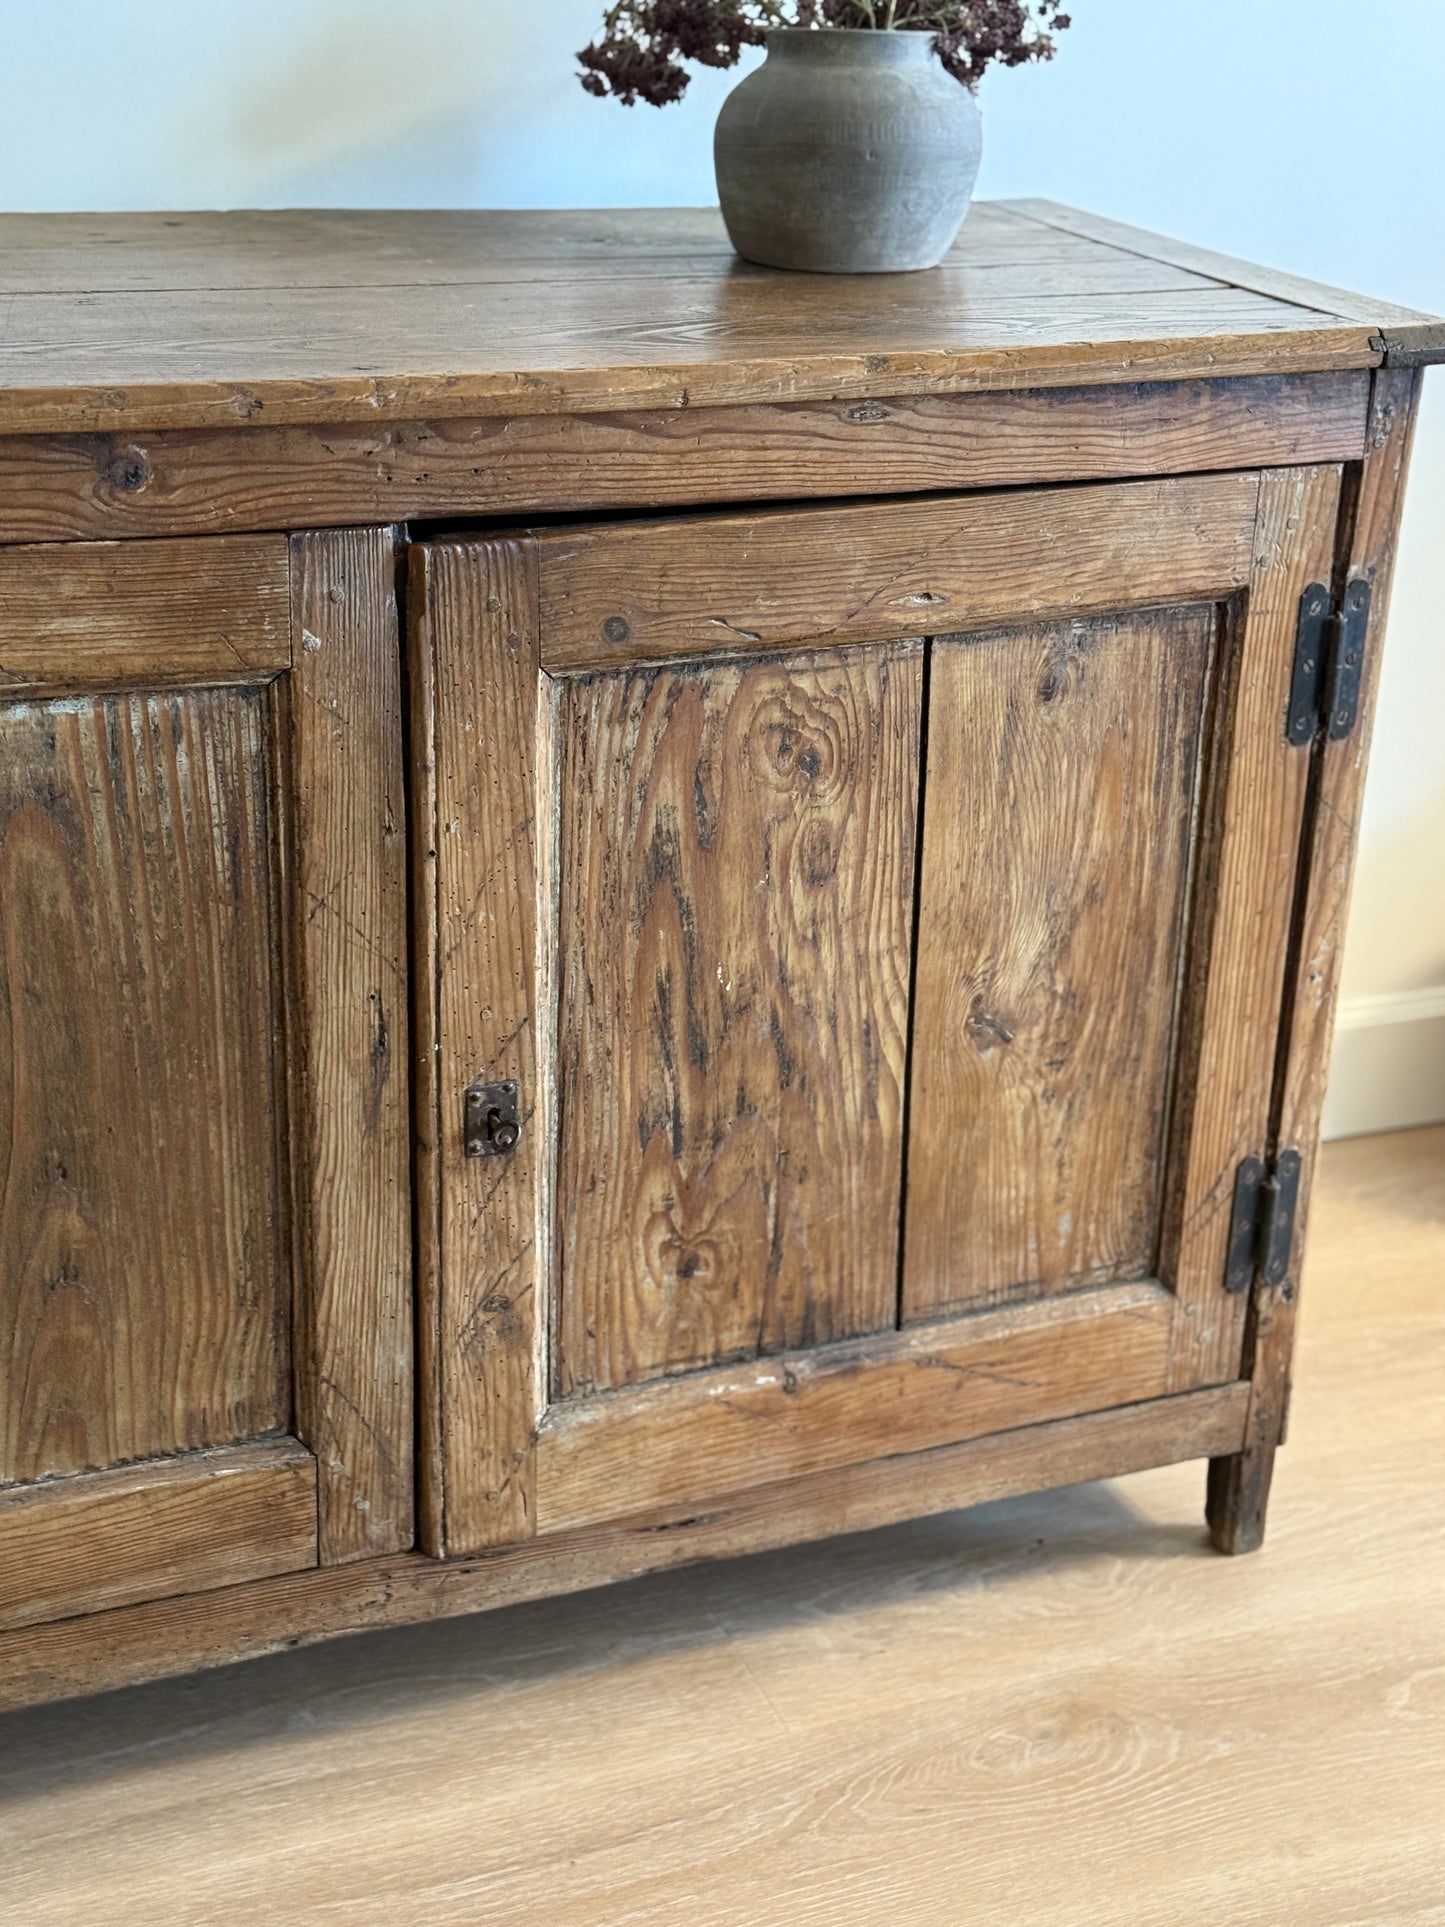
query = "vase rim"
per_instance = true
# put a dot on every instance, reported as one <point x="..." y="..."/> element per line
<point x="889" y="43"/>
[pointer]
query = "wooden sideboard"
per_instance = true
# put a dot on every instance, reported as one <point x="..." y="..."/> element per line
<point x="650" y="908"/>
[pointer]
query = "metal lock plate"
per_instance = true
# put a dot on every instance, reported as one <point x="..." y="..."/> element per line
<point x="490" y="1122"/>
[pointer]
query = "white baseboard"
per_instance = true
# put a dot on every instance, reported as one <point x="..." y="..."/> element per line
<point x="1387" y="1068"/>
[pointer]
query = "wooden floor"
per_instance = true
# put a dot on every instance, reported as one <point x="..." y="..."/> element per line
<point x="1053" y="1712"/>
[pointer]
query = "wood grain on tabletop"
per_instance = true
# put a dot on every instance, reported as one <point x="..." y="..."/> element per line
<point x="212" y="324"/>
<point x="301" y="247"/>
<point x="1082" y="225"/>
<point x="208" y="359"/>
<point x="1064" y="1696"/>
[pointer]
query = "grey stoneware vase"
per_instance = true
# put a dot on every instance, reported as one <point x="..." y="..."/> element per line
<point x="848" y="151"/>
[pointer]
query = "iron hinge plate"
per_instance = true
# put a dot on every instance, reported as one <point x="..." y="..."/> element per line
<point x="1261" y="1231"/>
<point x="1329" y="662"/>
<point x="1347" y="660"/>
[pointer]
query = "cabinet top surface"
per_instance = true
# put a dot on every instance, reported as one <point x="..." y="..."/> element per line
<point x="152" y="321"/>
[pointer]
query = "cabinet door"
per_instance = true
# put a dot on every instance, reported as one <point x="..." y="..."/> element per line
<point x="881" y="915"/>
<point x="204" y="1236"/>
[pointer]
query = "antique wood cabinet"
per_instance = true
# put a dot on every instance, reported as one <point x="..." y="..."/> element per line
<point x="649" y="908"/>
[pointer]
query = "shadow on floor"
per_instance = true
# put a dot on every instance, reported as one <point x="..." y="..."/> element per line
<point x="362" y="1681"/>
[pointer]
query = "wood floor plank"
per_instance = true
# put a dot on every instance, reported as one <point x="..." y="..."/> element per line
<point x="1063" y="1698"/>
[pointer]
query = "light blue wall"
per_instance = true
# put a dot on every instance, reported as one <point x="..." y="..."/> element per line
<point x="1309" y="133"/>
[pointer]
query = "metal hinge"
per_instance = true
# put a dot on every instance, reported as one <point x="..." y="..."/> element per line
<point x="1329" y="661"/>
<point x="1261" y="1233"/>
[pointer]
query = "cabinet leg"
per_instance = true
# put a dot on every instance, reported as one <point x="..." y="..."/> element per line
<point x="1237" y="1496"/>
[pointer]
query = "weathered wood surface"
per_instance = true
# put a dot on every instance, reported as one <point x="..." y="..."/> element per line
<point x="349" y="1086"/>
<point x="150" y="1531"/>
<point x="105" y="615"/>
<point x="1062" y="768"/>
<point x="794" y="579"/>
<point x="136" y="362"/>
<point x="146" y="361"/>
<point x="737" y="846"/>
<point x="687" y="1439"/>
<point x="425" y="964"/>
<point x="144" y="1302"/>
<point x="1239" y="1485"/>
<point x="69" y="486"/>
<point x="1253" y="818"/>
<point x="1239" y="936"/>
<point x="1398" y="327"/>
<point x="223" y="330"/>
<point x="561" y="363"/>
<point x="176" y="1635"/>
<point x="278" y="248"/>
<point x="484" y="1221"/>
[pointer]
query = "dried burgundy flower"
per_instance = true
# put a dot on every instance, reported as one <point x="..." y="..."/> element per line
<point x="643" y="43"/>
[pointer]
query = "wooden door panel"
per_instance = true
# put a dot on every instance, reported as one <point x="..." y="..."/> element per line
<point x="143" y="1299"/>
<point x="205" y="1305"/>
<point x="736" y="857"/>
<point x="1063" y="766"/>
<point x="671" y="818"/>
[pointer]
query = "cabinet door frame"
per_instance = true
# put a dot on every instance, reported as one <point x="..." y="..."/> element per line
<point x="308" y="625"/>
<point x="349" y="1071"/>
<point x="495" y="624"/>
